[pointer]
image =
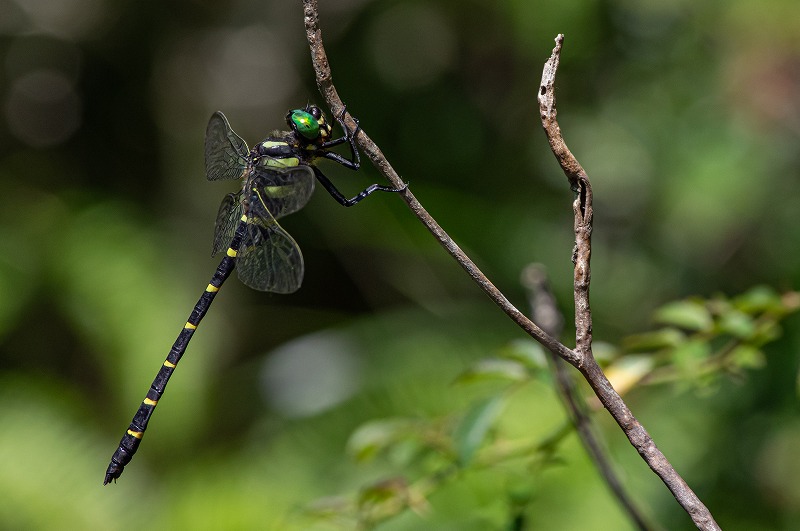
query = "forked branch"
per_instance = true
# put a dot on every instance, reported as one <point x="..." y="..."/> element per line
<point x="581" y="357"/>
<point x="591" y="371"/>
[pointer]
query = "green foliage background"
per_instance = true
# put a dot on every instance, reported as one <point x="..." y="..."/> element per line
<point x="685" y="114"/>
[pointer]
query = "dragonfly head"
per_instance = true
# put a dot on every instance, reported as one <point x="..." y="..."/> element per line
<point x="309" y="124"/>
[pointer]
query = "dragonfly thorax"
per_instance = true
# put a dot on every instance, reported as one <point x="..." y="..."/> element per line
<point x="275" y="154"/>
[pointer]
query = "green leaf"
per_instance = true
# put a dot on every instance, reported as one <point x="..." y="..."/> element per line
<point x="759" y="299"/>
<point x="527" y="352"/>
<point x="382" y="500"/>
<point x="656" y="340"/>
<point x="747" y="357"/>
<point x="737" y="324"/>
<point x="375" y="437"/>
<point x="688" y="314"/>
<point x="392" y="489"/>
<point x="766" y="332"/>
<point x="605" y="352"/>
<point x="494" y="369"/>
<point x="472" y="430"/>
<point x="689" y="357"/>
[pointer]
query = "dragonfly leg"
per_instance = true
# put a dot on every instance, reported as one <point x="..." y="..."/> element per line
<point x="346" y="137"/>
<point x="341" y="199"/>
<point x="354" y="162"/>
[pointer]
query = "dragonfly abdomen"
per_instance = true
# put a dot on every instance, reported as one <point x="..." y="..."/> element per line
<point x="133" y="436"/>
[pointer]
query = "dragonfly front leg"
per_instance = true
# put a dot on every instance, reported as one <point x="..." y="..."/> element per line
<point x="354" y="162"/>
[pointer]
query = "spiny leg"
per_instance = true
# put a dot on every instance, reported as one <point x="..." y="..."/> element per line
<point x="354" y="162"/>
<point x="341" y="199"/>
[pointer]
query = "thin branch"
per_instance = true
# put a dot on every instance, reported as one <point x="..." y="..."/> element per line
<point x="545" y="311"/>
<point x="582" y="207"/>
<point x="585" y="363"/>
<point x="370" y="149"/>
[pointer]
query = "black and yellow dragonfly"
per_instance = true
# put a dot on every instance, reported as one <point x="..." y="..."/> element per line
<point x="277" y="179"/>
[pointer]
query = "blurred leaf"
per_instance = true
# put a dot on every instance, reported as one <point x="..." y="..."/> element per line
<point x="527" y="352"/>
<point x="494" y="369"/>
<point x="627" y="371"/>
<point x="759" y="299"/>
<point x="747" y="357"/>
<point x="605" y="352"/>
<point x="737" y="324"/>
<point x="656" y="340"/>
<point x="375" y="437"/>
<point x="688" y="314"/>
<point x="689" y="357"/>
<point x="383" y="500"/>
<point x="383" y="491"/>
<point x="471" y="431"/>
<point x="765" y="332"/>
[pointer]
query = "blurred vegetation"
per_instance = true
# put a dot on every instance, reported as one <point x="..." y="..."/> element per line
<point x="685" y="114"/>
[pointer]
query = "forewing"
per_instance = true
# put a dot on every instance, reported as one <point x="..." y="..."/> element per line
<point x="269" y="259"/>
<point x="283" y="190"/>
<point x="226" y="152"/>
<point x="230" y="211"/>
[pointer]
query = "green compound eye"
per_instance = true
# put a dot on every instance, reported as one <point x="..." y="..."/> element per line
<point x="305" y="124"/>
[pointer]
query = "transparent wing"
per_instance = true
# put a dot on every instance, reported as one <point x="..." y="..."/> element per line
<point x="285" y="190"/>
<point x="269" y="259"/>
<point x="226" y="152"/>
<point x="230" y="211"/>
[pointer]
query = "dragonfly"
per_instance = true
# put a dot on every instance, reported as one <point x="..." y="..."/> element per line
<point x="278" y="177"/>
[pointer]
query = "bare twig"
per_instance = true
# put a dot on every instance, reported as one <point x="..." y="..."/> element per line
<point x="581" y="356"/>
<point x="545" y="312"/>
<point x="588" y="367"/>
